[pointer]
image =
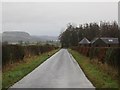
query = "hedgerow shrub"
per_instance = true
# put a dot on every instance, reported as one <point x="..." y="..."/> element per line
<point x="93" y="52"/>
<point x="12" y="53"/>
<point x="15" y="53"/>
<point x="109" y="55"/>
<point x="101" y="54"/>
<point x="112" y="57"/>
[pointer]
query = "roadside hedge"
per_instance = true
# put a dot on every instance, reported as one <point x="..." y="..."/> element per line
<point x="109" y="55"/>
<point x="15" y="53"/>
<point x="112" y="57"/>
<point x="11" y="53"/>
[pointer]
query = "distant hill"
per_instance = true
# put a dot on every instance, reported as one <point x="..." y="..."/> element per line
<point x="16" y="33"/>
<point x="15" y="36"/>
<point x="46" y="38"/>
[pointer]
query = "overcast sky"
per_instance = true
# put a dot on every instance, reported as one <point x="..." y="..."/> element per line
<point x="49" y="18"/>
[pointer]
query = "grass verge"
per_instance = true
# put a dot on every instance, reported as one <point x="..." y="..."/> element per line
<point x="19" y="70"/>
<point x="95" y="75"/>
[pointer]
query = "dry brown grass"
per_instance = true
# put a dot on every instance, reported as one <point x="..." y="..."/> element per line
<point x="11" y="66"/>
<point x="106" y="68"/>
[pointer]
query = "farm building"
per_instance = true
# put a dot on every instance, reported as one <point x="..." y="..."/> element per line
<point x="84" y="42"/>
<point x="105" y="42"/>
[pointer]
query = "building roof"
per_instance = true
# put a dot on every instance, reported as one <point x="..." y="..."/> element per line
<point x="107" y="40"/>
<point x="84" y="41"/>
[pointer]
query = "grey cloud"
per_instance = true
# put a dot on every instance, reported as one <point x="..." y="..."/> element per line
<point x="49" y="17"/>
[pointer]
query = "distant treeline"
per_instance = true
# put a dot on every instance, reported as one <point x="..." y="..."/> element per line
<point x="15" y="53"/>
<point x="72" y="35"/>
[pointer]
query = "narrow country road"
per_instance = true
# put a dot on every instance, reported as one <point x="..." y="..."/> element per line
<point x="59" y="71"/>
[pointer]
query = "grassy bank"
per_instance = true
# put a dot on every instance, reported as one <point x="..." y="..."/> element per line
<point x="99" y="78"/>
<point x="18" y="70"/>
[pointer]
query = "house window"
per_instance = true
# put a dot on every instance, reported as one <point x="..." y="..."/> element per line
<point x="110" y="40"/>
